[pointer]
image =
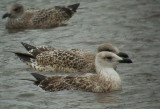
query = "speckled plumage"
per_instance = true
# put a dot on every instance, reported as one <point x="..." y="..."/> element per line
<point x="38" y="18"/>
<point x="56" y="61"/>
<point x="106" y="79"/>
<point x="45" y="58"/>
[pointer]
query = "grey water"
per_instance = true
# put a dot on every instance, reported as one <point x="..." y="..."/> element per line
<point x="131" y="25"/>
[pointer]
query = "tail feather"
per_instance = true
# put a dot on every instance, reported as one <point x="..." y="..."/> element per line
<point x="38" y="77"/>
<point x="24" y="56"/>
<point x="74" y="7"/>
<point x="28" y="80"/>
<point x="34" y="81"/>
<point x="27" y="46"/>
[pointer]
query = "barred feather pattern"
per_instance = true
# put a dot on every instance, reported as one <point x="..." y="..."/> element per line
<point x="98" y="83"/>
<point x="86" y="82"/>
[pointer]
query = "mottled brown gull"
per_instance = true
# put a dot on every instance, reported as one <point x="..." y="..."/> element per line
<point x="88" y="55"/>
<point x="106" y="78"/>
<point x="49" y="59"/>
<point x="21" y="18"/>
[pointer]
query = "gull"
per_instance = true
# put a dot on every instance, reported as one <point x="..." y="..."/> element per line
<point x="106" y="78"/>
<point x="21" y="18"/>
<point x="49" y="59"/>
<point x="88" y="55"/>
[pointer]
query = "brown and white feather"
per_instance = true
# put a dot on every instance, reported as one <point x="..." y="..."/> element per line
<point x="59" y="61"/>
<point x="39" y="18"/>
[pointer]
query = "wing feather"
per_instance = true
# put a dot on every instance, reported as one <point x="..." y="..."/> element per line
<point x="75" y="82"/>
<point x="61" y="60"/>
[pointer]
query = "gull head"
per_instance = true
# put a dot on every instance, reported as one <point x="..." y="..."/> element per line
<point x="110" y="59"/>
<point x="14" y="11"/>
<point x="111" y="48"/>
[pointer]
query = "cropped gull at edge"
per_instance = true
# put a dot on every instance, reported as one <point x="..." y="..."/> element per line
<point x="21" y="18"/>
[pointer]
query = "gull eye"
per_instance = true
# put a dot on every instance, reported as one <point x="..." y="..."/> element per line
<point x="109" y="57"/>
<point x="17" y="9"/>
<point x="107" y="50"/>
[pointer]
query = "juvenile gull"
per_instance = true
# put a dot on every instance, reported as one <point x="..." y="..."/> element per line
<point x="47" y="58"/>
<point x="21" y="18"/>
<point x="106" y="78"/>
<point x="101" y="47"/>
<point x="88" y="55"/>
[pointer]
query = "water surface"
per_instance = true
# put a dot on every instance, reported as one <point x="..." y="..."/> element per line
<point x="131" y="25"/>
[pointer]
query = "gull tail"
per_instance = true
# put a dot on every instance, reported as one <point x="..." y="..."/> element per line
<point x="27" y="46"/>
<point x="28" y="80"/>
<point x="38" y="78"/>
<point x="24" y="56"/>
<point x="74" y="6"/>
<point x="36" y="82"/>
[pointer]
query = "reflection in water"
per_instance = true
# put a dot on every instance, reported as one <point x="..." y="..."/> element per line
<point x="109" y="97"/>
<point x="22" y="30"/>
<point x="15" y="30"/>
<point x="26" y="95"/>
